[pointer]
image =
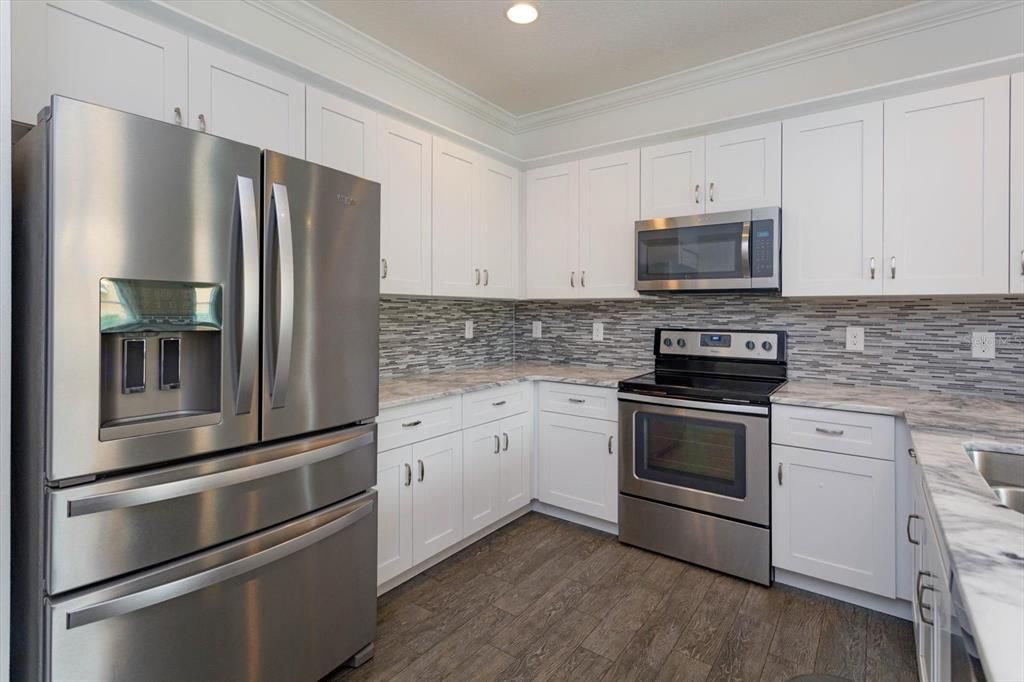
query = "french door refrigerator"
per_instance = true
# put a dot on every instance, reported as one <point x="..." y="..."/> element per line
<point x="195" y="376"/>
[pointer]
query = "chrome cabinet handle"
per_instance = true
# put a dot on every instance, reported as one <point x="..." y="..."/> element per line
<point x="912" y="452"/>
<point x="134" y="601"/>
<point x="487" y="277"/>
<point x="910" y="519"/>
<point x="696" y="193"/>
<point x="1022" y="262"/>
<point x="281" y="347"/>
<point x="409" y="425"/>
<point x="384" y="268"/>
<point x="249" y="342"/>
<point x="872" y="267"/>
<point x="505" y="436"/>
<point x="829" y="432"/>
<point x="892" y="267"/>
<point x="498" y="403"/>
<point x="780" y="473"/>
<point x="583" y="278"/>
<point x="408" y="474"/>
<point x="610" y="444"/>
<point x="497" y="444"/>
<point x="578" y="401"/>
<point x="572" y="279"/>
<point x="711" y="192"/>
<point x="477" y="272"/>
<point x="921" y="606"/>
<point x="423" y="470"/>
<point x="202" y="123"/>
<point x="177" y="116"/>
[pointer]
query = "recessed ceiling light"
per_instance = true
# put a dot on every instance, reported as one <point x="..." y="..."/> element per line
<point x="522" y="13"/>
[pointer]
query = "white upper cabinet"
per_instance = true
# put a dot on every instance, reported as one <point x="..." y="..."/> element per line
<point x="1017" y="183"/>
<point x="609" y="209"/>
<point x="237" y="99"/>
<point x="96" y="52"/>
<point x="672" y="179"/>
<point x="947" y="190"/>
<point x="552" y="231"/>
<point x="832" y="203"/>
<point x="341" y="134"/>
<point x="744" y="168"/>
<point x="496" y="229"/>
<point x="404" y="168"/>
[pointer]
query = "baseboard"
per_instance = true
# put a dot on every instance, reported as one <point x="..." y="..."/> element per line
<point x="574" y="517"/>
<point x="893" y="607"/>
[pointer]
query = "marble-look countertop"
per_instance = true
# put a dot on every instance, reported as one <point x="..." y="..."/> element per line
<point x="402" y="390"/>
<point x="985" y="541"/>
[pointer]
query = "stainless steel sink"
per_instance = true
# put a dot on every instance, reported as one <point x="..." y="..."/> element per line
<point x="1004" y="473"/>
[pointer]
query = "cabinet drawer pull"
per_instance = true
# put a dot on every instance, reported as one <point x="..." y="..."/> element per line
<point x="408" y="474"/>
<point x="423" y="470"/>
<point x="497" y="444"/>
<point x="829" y="432"/>
<point x="910" y="539"/>
<point x="498" y="403"/>
<point x="409" y="425"/>
<point x="578" y="401"/>
<point x="505" y="436"/>
<point x="780" y="473"/>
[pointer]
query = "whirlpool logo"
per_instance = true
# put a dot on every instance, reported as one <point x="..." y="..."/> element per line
<point x="347" y="200"/>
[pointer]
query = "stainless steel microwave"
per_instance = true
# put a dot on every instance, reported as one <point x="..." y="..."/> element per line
<point x="738" y="250"/>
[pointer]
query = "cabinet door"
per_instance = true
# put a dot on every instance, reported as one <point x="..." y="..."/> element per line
<point x="481" y="477"/>
<point x="744" y="168"/>
<point x="96" y="52"/>
<point x="609" y="209"/>
<point x="946" y="190"/>
<point x="496" y="229"/>
<point x="405" y="178"/>
<point x="924" y="536"/>
<point x="454" y="192"/>
<point x="834" y="518"/>
<point x="1017" y="183"/>
<point x="237" y="99"/>
<point x="341" y="134"/>
<point x="832" y="201"/>
<point x="394" y="513"/>
<point x="578" y="465"/>
<point x="672" y="179"/>
<point x="553" y="231"/>
<point x="436" y="495"/>
<point x="515" y="462"/>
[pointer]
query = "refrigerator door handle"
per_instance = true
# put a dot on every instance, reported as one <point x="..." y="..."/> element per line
<point x="282" y="350"/>
<point x="160" y="492"/>
<point x="249" y="342"/>
<point x="128" y="603"/>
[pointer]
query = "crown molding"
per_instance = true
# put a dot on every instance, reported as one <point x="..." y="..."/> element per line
<point x="888" y="25"/>
<point x="323" y="26"/>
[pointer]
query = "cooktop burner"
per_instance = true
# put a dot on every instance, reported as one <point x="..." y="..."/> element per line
<point x="703" y="387"/>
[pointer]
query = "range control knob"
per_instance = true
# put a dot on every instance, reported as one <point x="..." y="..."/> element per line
<point x="667" y="342"/>
<point x="751" y="345"/>
<point x="767" y="345"/>
<point x="681" y="343"/>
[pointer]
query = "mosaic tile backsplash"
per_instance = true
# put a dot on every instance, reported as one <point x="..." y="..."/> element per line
<point x="923" y="343"/>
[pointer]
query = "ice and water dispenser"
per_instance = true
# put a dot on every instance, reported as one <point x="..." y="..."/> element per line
<point x="160" y="356"/>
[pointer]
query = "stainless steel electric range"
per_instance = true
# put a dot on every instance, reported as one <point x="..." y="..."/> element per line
<point x="694" y="474"/>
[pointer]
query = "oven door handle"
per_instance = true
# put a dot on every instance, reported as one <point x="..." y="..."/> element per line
<point x="745" y="250"/>
<point x="694" y="404"/>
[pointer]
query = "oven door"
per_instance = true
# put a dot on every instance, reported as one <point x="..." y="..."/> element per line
<point x="694" y="252"/>
<point x="701" y="459"/>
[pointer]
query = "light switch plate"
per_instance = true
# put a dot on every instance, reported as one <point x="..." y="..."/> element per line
<point x="536" y="329"/>
<point x="855" y="338"/>
<point x="599" y="331"/>
<point x="983" y="345"/>
<point x="469" y="329"/>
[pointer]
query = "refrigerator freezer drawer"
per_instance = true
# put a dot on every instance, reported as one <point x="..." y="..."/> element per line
<point x="102" y="530"/>
<point x="291" y="603"/>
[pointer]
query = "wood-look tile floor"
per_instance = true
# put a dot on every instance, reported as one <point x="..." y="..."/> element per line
<point x="543" y="599"/>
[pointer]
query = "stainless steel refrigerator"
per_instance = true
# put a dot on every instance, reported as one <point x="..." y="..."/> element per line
<point x="195" y="376"/>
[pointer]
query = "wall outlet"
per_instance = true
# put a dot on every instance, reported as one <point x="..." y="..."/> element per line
<point x="855" y="338"/>
<point x="469" y="329"/>
<point x="983" y="345"/>
<point x="599" y="331"/>
<point x="536" y="330"/>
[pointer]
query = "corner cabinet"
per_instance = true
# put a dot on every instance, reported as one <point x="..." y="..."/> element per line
<point x="932" y="603"/>
<point x="341" y="134"/>
<point x="832" y="198"/>
<point x="947" y="190"/>
<point x="1017" y="183"/>
<point x="404" y="170"/>
<point x="93" y="51"/>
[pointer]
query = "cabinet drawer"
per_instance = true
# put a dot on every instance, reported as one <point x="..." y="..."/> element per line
<point x="397" y="426"/>
<point x="852" y="433"/>
<point x="480" y="407"/>
<point x="582" y="401"/>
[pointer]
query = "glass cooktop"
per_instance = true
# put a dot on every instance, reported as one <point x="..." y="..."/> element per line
<point x="703" y="387"/>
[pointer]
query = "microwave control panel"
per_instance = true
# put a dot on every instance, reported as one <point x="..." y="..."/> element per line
<point x="762" y="248"/>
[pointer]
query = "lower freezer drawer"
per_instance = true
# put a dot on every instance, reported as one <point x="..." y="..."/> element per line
<point x="291" y="603"/>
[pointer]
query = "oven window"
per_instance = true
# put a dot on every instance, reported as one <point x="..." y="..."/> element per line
<point x="699" y="454"/>
<point x="711" y="252"/>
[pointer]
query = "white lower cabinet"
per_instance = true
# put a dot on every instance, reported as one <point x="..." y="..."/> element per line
<point x="932" y="604"/>
<point x="579" y="464"/>
<point x="833" y="518"/>
<point x="394" y="512"/>
<point x="496" y="471"/>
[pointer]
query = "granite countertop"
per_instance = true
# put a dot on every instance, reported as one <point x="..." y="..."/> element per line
<point x="985" y="541"/>
<point x="402" y="390"/>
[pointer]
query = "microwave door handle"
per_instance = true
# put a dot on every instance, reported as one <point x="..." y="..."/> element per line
<point x="280" y="214"/>
<point x="248" y="342"/>
<point x="745" y="251"/>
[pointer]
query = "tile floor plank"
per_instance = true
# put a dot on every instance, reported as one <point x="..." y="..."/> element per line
<point x="622" y="621"/>
<point x="713" y="619"/>
<point x="460" y="645"/>
<point x="842" y="646"/>
<point x="515" y="637"/>
<point x="583" y="665"/>
<point x="483" y="666"/>
<point x="890" y="655"/>
<point x="548" y="652"/>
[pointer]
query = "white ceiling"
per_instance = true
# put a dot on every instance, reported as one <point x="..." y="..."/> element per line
<point x="583" y="48"/>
